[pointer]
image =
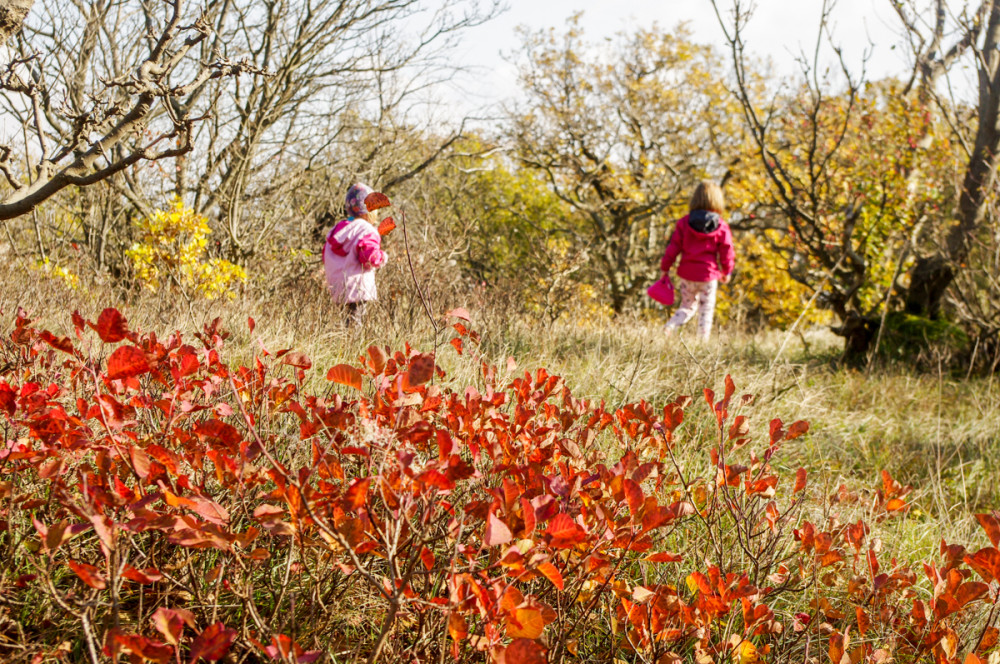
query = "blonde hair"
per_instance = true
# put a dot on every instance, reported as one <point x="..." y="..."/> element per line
<point x="708" y="196"/>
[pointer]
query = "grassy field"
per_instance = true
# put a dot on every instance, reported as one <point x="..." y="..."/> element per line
<point x="936" y="429"/>
<point x="936" y="432"/>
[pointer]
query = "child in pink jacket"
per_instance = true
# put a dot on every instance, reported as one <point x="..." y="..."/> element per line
<point x="352" y="253"/>
<point x="704" y="243"/>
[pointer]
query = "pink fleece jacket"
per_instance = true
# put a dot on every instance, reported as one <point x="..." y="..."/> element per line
<point x="368" y="249"/>
<point x="705" y="256"/>
<point x="351" y="254"/>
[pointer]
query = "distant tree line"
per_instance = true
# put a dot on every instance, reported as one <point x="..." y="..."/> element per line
<point x="866" y="203"/>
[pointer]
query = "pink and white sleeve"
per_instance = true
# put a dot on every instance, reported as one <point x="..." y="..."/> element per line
<point x="369" y="251"/>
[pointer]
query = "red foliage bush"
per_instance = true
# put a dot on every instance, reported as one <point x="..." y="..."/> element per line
<point x="158" y="503"/>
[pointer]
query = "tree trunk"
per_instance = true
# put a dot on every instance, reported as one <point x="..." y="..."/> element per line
<point x="12" y="13"/>
<point x="858" y="333"/>
<point x="931" y="275"/>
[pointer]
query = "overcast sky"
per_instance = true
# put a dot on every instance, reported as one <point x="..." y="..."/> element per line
<point x="780" y="29"/>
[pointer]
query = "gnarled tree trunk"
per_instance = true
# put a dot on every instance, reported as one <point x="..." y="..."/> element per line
<point x="931" y="275"/>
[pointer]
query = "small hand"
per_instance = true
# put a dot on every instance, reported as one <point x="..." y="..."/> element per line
<point x="727" y="278"/>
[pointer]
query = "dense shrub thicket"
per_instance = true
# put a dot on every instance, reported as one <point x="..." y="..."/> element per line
<point x="162" y="501"/>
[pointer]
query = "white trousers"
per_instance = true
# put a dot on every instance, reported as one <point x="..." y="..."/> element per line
<point x="696" y="297"/>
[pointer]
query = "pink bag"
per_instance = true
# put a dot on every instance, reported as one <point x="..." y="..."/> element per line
<point x="662" y="291"/>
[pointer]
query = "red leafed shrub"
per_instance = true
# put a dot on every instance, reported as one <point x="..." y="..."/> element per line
<point x="158" y="503"/>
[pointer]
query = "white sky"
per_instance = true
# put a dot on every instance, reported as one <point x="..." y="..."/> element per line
<point x="779" y="29"/>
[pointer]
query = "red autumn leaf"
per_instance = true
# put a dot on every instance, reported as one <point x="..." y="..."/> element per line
<point x="660" y="516"/>
<point x="377" y="358"/>
<point x="525" y="622"/>
<point x="421" y="369"/>
<point x="357" y="494"/>
<point x="297" y="359"/>
<point x="51" y="468"/>
<point x="105" y="529"/>
<point x="140" y="461"/>
<point x="143" y="577"/>
<point x="800" y="480"/>
<point x="986" y="562"/>
<point x="740" y="427"/>
<point x="170" y="623"/>
<point x="111" y="326"/>
<point x="457" y="343"/>
<point x="641" y="594"/>
<point x="895" y="505"/>
<point x="459" y="312"/>
<point x="948" y="645"/>
<point x="259" y="555"/>
<point x="78" y="323"/>
<point x="213" y="643"/>
<point x="146" y="649"/>
<point x="524" y="651"/>
<point x="730" y="389"/>
<point x="837" y="646"/>
<point x="59" y="343"/>
<point x="552" y="573"/>
<point x="57" y="535"/>
<point x="891" y="487"/>
<point x="218" y="432"/>
<point x="634" y="497"/>
<point x="427" y="558"/>
<point x="458" y="629"/>
<point x="127" y="362"/>
<point x="864" y="622"/>
<point x="830" y="558"/>
<point x="991" y="524"/>
<point x="656" y="517"/>
<point x="563" y="532"/>
<point x="528" y="514"/>
<point x="268" y="512"/>
<point x="776" y="430"/>
<point x="210" y="510"/>
<point x="89" y="575"/>
<point x="283" y="648"/>
<point x="664" y="557"/>
<point x="497" y="532"/>
<point x="345" y="374"/>
<point x="8" y="399"/>
<point x="797" y="429"/>
<point x="387" y="226"/>
<point x="970" y="591"/>
<point x="376" y="201"/>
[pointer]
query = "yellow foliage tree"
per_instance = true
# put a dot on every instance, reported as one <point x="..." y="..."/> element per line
<point x="621" y="133"/>
<point x="763" y="292"/>
<point x="838" y="193"/>
<point x="171" y="250"/>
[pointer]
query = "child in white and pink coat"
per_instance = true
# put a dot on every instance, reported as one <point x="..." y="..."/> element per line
<point x="351" y="255"/>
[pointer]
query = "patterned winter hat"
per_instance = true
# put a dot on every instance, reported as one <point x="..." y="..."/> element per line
<point x="355" y="203"/>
